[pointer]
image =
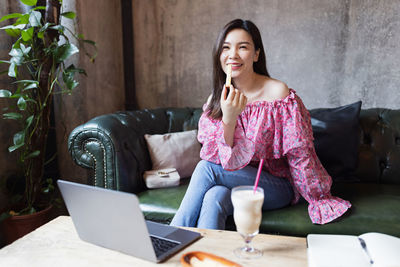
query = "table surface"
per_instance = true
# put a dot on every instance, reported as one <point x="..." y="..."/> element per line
<point x="57" y="244"/>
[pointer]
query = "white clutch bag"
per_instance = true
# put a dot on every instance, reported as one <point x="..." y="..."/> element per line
<point x="161" y="178"/>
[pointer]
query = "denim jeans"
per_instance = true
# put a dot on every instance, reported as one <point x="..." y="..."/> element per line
<point x="207" y="202"/>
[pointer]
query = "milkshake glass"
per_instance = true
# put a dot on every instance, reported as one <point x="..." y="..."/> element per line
<point x="247" y="206"/>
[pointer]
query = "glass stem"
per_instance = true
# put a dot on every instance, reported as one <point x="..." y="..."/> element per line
<point x="247" y="240"/>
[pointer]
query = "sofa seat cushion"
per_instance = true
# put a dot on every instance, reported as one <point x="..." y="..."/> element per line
<point x="160" y="205"/>
<point x="376" y="208"/>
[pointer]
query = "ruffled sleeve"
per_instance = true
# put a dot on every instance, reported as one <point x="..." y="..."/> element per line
<point x="215" y="149"/>
<point x="311" y="180"/>
<point x="308" y="176"/>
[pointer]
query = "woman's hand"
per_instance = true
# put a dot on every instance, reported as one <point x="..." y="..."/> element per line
<point x="232" y="105"/>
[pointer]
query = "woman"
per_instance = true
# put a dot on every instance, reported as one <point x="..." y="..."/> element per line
<point x="257" y="118"/>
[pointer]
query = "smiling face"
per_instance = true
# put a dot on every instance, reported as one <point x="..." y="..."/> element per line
<point x="238" y="49"/>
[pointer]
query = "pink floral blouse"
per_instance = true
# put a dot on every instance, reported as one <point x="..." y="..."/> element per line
<point x="281" y="133"/>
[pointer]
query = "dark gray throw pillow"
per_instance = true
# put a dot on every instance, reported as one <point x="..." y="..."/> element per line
<point x="336" y="139"/>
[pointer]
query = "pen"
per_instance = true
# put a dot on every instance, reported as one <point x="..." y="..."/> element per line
<point x="364" y="246"/>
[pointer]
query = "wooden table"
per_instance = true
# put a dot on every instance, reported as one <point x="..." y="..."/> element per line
<point x="57" y="244"/>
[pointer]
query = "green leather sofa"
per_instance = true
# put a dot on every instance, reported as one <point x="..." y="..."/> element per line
<point x="113" y="149"/>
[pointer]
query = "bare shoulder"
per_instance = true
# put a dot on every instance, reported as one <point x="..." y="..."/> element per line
<point x="276" y="89"/>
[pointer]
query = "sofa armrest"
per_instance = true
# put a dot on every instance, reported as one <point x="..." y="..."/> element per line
<point x="113" y="146"/>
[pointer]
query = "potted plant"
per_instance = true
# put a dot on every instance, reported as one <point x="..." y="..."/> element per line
<point x="38" y="67"/>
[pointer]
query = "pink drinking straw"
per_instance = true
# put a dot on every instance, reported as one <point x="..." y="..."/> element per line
<point x="258" y="175"/>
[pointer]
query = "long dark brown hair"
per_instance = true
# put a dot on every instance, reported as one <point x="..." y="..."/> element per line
<point x="219" y="76"/>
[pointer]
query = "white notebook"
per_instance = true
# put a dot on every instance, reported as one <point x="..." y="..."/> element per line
<point x="347" y="250"/>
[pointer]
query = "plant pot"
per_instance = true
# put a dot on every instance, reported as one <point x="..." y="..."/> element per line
<point x="18" y="226"/>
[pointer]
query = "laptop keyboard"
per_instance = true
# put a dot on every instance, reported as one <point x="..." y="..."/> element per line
<point x="162" y="245"/>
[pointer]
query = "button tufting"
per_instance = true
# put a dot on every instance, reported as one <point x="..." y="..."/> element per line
<point x="95" y="161"/>
<point x="382" y="165"/>
<point x="367" y="139"/>
<point x="397" y="141"/>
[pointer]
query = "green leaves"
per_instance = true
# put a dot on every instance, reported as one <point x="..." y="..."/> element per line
<point x="59" y="28"/>
<point x="65" y="51"/>
<point x="29" y="2"/>
<point x="19" y="138"/>
<point x="29" y="82"/>
<point x="5" y="93"/>
<point x="39" y="51"/>
<point x="49" y="188"/>
<point x="17" y="58"/>
<point x="27" y="34"/>
<point x="69" y="81"/>
<point x="40" y="8"/>
<point x="34" y="18"/>
<point x="42" y="30"/>
<point x="33" y="154"/>
<point x="70" y="15"/>
<point x="12" y="116"/>
<point x="31" y="86"/>
<point x="25" y="50"/>
<point x="21" y="103"/>
<point x="17" y="43"/>
<point x="68" y="76"/>
<point x="24" y="19"/>
<point x="12" y="70"/>
<point x="29" y="121"/>
<point x="13" y="30"/>
<point x="23" y="98"/>
<point x="16" y="52"/>
<point x="10" y="16"/>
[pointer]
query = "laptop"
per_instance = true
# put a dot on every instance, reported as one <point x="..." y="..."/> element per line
<point x="114" y="220"/>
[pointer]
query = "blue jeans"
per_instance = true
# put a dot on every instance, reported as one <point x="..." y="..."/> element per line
<point x="207" y="202"/>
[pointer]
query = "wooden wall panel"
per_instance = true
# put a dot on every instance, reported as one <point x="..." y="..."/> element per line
<point x="102" y="91"/>
<point x="8" y="160"/>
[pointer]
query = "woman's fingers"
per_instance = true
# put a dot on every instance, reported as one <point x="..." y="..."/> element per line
<point x="228" y="93"/>
<point x="224" y="93"/>
<point x="242" y="101"/>
<point x="236" y="100"/>
<point x="232" y="93"/>
<point x="233" y="97"/>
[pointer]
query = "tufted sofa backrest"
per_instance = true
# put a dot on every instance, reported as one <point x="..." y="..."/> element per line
<point x="379" y="148"/>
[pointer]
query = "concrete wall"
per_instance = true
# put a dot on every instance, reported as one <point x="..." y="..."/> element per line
<point x="332" y="52"/>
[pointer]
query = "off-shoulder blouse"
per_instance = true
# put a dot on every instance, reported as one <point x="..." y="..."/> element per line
<point x="279" y="132"/>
